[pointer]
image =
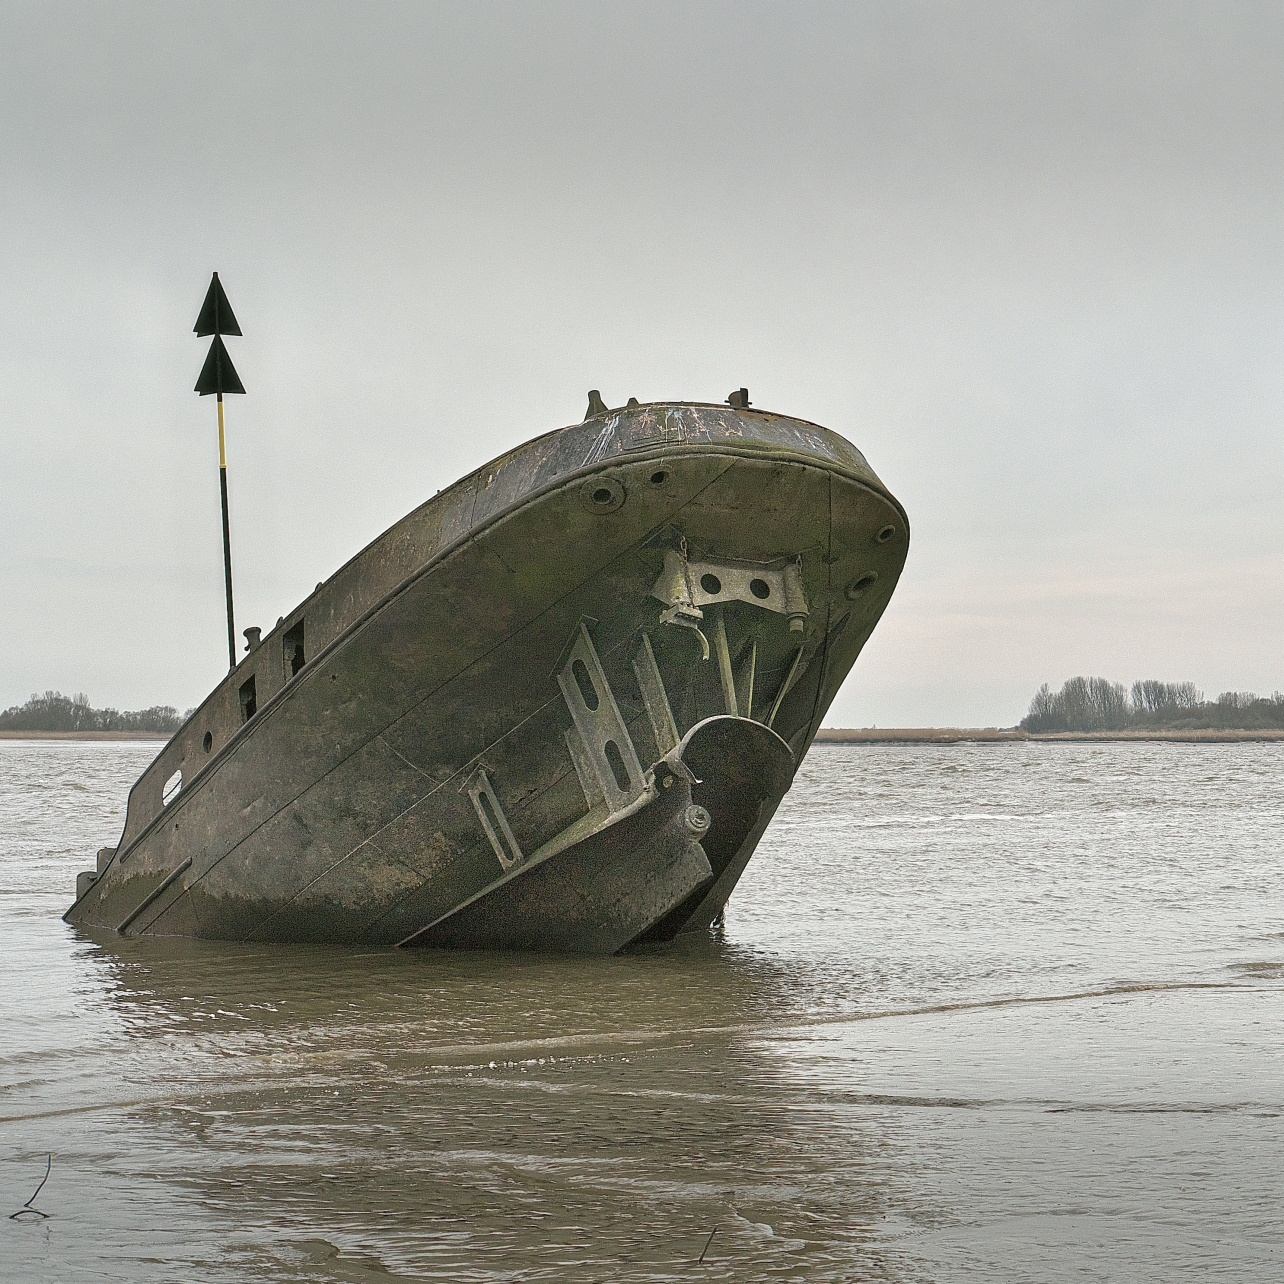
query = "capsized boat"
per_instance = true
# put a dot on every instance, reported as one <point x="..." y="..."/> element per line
<point x="554" y="708"/>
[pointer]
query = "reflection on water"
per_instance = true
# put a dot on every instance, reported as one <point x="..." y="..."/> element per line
<point x="1001" y="1010"/>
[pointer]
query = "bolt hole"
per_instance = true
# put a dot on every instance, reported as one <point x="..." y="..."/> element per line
<point x="208" y="743"/>
<point x="885" y="534"/>
<point x="859" y="585"/>
<point x="710" y="583"/>
<point x="659" y="478"/>
<point x="602" y="496"/>
<point x="760" y="589"/>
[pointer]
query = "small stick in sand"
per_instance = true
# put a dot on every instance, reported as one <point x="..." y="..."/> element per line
<point x="703" y="1251"/>
<point x="27" y="1208"/>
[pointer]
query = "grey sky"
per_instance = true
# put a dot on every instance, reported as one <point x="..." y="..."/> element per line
<point x="1027" y="257"/>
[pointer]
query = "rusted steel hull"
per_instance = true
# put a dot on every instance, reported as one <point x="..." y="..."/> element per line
<point x="554" y="708"/>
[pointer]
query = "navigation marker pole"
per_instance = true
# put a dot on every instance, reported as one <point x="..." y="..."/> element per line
<point x="218" y="375"/>
<point x="227" y="537"/>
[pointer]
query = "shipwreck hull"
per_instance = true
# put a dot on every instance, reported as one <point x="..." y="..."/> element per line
<point x="554" y="708"/>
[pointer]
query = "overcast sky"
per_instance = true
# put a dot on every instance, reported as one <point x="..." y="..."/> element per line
<point x="1028" y="257"/>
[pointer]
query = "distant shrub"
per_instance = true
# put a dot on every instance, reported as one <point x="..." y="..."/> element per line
<point x="1096" y="704"/>
<point x="54" y="711"/>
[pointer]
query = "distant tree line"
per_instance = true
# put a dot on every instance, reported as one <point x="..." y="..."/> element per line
<point x="1097" y="704"/>
<point x="54" y="711"/>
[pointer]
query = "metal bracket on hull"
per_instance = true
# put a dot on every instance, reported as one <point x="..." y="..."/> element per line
<point x="654" y="696"/>
<point x="725" y="675"/>
<point x="785" y="685"/>
<point x="685" y="587"/>
<point x="673" y="588"/>
<point x="596" y="886"/>
<point x="600" y="745"/>
<point x="493" y="820"/>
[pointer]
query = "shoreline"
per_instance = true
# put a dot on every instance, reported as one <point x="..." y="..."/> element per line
<point x="973" y="735"/>
<point x="83" y="735"/>
<point x="861" y="735"/>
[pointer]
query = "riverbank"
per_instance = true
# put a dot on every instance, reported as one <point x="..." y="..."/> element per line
<point x="840" y="735"/>
<point x="83" y="735"/>
<point x="968" y="735"/>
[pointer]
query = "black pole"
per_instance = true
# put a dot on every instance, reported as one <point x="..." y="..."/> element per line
<point x="218" y="375"/>
<point x="227" y="538"/>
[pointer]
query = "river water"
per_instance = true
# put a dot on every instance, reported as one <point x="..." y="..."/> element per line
<point x="1009" y="1012"/>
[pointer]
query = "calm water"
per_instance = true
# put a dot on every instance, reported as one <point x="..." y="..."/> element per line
<point x="1000" y="1012"/>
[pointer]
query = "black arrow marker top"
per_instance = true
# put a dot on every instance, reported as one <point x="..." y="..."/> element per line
<point x="218" y="374"/>
<point x="216" y="316"/>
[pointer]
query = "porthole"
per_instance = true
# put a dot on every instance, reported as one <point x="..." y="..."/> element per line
<point x="760" y="589"/>
<point x="602" y="494"/>
<point x="710" y="583"/>
<point x="659" y="477"/>
<point x="885" y="534"/>
<point x="208" y="743"/>
<point x="169" y="791"/>
<point x="859" y="585"/>
<point x="249" y="699"/>
<point x="293" y="653"/>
